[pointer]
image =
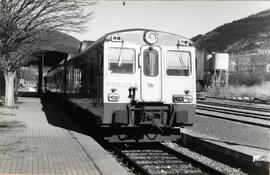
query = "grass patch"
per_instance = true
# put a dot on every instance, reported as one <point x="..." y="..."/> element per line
<point x="12" y="124"/>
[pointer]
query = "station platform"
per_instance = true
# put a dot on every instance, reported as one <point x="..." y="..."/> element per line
<point x="36" y="138"/>
<point x="246" y="144"/>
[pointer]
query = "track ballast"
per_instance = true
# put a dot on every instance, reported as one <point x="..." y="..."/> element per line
<point x="158" y="159"/>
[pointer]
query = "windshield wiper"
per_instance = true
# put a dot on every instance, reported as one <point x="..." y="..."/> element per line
<point x="119" y="56"/>
<point x="181" y="60"/>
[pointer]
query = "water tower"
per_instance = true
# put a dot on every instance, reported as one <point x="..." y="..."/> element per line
<point x="220" y="66"/>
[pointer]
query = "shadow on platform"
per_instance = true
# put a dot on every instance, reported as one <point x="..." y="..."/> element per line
<point x="57" y="116"/>
<point x="28" y="94"/>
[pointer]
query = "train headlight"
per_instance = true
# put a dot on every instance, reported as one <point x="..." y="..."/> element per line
<point x="182" y="98"/>
<point x="178" y="98"/>
<point x="113" y="96"/>
<point x="150" y="37"/>
<point x="187" y="99"/>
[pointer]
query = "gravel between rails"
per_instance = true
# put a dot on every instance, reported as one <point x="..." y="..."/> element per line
<point x="217" y="165"/>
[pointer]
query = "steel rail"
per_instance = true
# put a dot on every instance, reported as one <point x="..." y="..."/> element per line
<point x="234" y="112"/>
<point x="255" y="101"/>
<point x="130" y="162"/>
<point x="132" y="158"/>
<point x="235" y="106"/>
<point x="202" y="165"/>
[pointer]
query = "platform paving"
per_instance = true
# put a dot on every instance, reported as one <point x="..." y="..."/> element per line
<point x="34" y="139"/>
<point x="246" y="143"/>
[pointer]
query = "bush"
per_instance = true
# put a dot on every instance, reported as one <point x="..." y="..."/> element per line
<point x="241" y="90"/>
<point x="247" y="79"/>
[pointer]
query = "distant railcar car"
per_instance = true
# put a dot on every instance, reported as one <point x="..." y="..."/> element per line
<point x="138" y="84"/>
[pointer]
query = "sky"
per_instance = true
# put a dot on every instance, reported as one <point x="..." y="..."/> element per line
<point x="186" y="18"/>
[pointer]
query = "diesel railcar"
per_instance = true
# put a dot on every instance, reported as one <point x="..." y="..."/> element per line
<point x="137" y="84"/>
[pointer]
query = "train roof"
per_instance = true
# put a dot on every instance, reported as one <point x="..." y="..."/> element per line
<point x="103" y="38"/>
<point x="125" y="31"/>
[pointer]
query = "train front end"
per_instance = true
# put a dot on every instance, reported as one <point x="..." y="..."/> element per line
<point x="149" y="85"/>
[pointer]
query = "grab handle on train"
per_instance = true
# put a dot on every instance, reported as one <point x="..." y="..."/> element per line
<point x="139" y="60"/>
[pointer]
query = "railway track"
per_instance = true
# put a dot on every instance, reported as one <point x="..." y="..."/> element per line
<point x="158" y="159"/>
<point x="233" y="111"/>
<point x="251" y="108"/>
<point x="251" y="118"/>
<point x="256" y="100"/>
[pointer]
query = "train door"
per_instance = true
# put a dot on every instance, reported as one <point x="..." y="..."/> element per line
<point x="151" y="74"/>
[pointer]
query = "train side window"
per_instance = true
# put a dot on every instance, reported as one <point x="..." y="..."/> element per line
<point x="150" y="63"/>
<point x="178" y="63"/>
<point x="77" y="74"/>
<point x="68" y="75"/>
<point x="100" y="57"/>
<point x="121" y="60"/>
<point x="92" y="72"/>
<point x="100" y="61"/>
<point x="81" y="81"/>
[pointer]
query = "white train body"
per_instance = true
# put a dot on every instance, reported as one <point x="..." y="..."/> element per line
<point x="143" y="79"/>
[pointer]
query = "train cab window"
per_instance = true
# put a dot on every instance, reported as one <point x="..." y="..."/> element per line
<point x="150" y="63"/>
<point x="122" y="60"/>
<point x="178" y="63"/>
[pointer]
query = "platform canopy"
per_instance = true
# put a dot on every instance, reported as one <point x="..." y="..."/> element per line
<point x="58" y="46"/>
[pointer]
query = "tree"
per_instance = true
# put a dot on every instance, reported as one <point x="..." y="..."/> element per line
<point x="23" y="27"/>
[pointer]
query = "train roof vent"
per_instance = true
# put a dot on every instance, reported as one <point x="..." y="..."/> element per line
<point x="83" y="45"/>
